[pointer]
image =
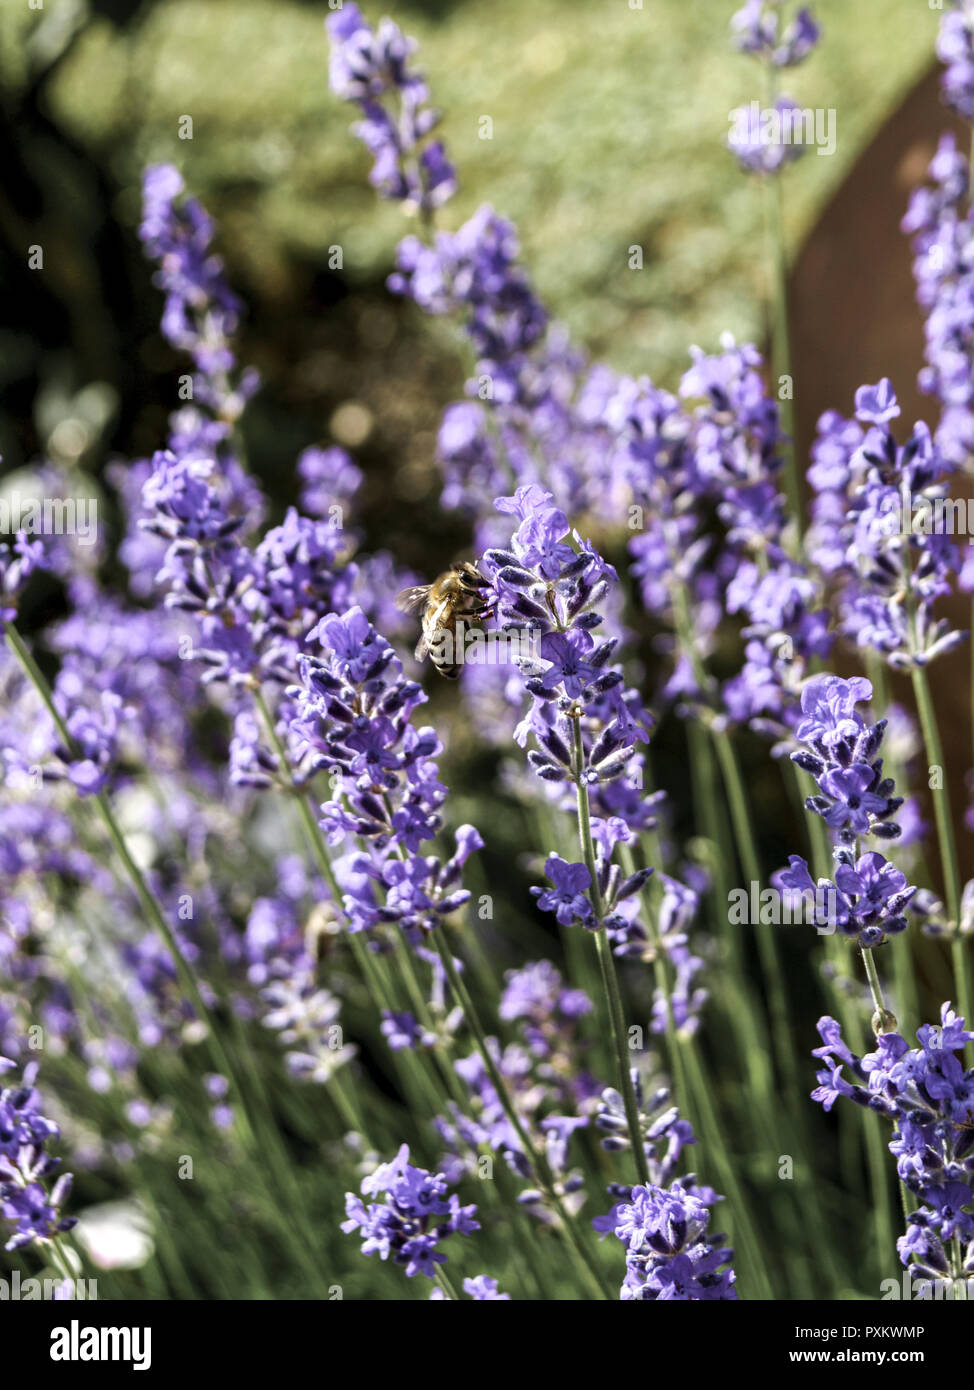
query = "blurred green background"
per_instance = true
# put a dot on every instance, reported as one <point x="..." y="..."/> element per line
<point x="608" y="131"/>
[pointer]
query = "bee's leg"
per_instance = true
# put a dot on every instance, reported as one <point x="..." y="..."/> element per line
<point x="483" y="610"/>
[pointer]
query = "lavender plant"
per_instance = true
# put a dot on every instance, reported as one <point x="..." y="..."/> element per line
<point x="926" y="1092"/>
<point x="270" y="898"/>
<point x="28" y="1201"/>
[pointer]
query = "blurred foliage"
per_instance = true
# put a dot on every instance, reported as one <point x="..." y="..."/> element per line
<point x="609" y="126"/>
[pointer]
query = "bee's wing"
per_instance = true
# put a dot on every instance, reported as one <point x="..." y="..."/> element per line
<point x="408" y="600"/>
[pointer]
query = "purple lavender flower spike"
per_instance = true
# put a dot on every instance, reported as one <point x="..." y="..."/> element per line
<point x="352" y="715"/>
<point x="413" y="1213"/>
<point x="201" y="312"/>
<point x="757" y="29"/>
<point x="869" y="896"/>
<point x="670" y="1252"/>
<point x="550" y="586"/>
<point x="371" y="69"/>
<point x="18" y="561"/>
<point x="955" y="49"/>
<point x="766" y="139"/>
<point x="854" y="797"/>
<point x="27" y="1200"/>
<point x="929" y="1097"/>
<point x="762" y="138"/>
<point x="883" y="530"/>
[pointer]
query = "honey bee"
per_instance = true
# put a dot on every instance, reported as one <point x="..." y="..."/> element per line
<point x="453" y="595"/>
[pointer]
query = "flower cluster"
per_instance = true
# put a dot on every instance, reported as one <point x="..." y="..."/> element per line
<point x="649" y="431"/>
<point x="883" y="530"/>
<point x="86" y="753"/>
<point x="868" y="899"/>
<point x="940" y="222"/>
<point x="737" y="449"/>
<point x="253" y="608"/>
<point x="929" y="1097"/>
<point x="372" y="70"/>
<point x="123" y="666"/>
<point x="27" y="1201"/>
<point x="88" y="759"/>
<point x="403" y="1031"/>
<point x="475" y="272"/>
<point x="759" y="31"/>
<point x="544" y="1074"/>
<point x="281" y="949"/>
<point x="353" y="718"/>
<point x="717" y="454"/>
<point x="550" y="582"/>
<point x="670" y="1253"/>
<point x="201" y="312"/>
<point x="18" y="561"/>
<point x="414" y="1214"/>
<point x="588" y="727"/>
<point x="682" y="1006"/>
<point x="854" y="799"/>
<point x="955" y="49"/>
<point x="766" y="139"/>
<point x="569" y="897"/>
<point x="482" y="1289"/>
<point x="206" y="571"/>
<point x="737" y="441"/>
<point x="537" y="994"/>
<point x="305" y="1017"/>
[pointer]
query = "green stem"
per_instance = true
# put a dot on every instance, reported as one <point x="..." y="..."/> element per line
<point x="758" y="1099"/>
<point x="882" y="1013"/>
<point x="768" y="954"/>
<point x="705" y="795"/>
<point x="781" y="335"/>
<point x="900" y="947"/>
<point x="764" y="934"/>
<point x="717" y="1154"/>
<point x="746" y="1015"/>
<point x="153" y="910"/>
<point x="418" y="1079"/>
<point x="660" y="974"/>
<point x="610" y="980"/>
<point x="346" y="1105"/>
<point x="443" y="1279"/>
<point x="414" y="1073"/>
<point x="960" y="946"/>
<point x="537" y="1159"/>
<point x="60" y="1258"/>
<point x="876" y="1153"/>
